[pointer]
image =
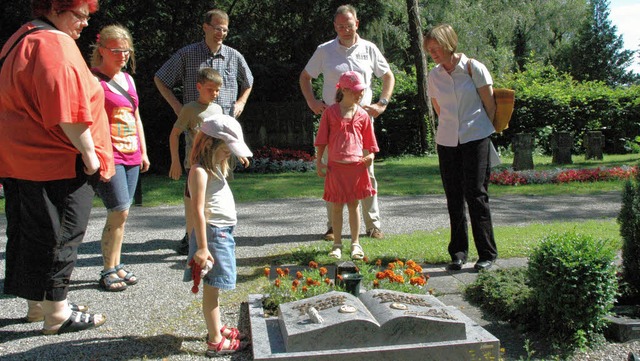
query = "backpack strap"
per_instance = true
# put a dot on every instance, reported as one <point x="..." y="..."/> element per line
<point x="22" y="36"/>
<point x="115" y="85"/>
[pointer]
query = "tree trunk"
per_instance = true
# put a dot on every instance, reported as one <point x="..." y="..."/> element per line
<point x="424" y="106"/>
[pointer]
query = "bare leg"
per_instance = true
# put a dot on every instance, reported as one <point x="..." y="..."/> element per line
<point x="354" y="221"/>
<point x="336" y="222"/>
<point x="112" y="238"/>
<point x="211" y="312"/>
<point x="34" y="310"/>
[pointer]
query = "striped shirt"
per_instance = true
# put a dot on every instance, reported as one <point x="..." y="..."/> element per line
<point x="182" y="69"/>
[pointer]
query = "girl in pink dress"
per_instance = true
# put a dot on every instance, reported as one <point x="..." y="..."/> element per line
<point x="346" y="130"/>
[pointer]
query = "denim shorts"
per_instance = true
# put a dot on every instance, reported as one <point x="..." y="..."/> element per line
<point x="222" y="247"/>
<point x="117" y="194"/>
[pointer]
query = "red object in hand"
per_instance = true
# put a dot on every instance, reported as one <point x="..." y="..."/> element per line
<point x="195" y="275"/>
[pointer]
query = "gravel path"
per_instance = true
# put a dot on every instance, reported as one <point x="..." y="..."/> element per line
<point x="159" y="319"/>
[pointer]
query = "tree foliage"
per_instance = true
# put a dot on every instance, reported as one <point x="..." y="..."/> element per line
<point x="597" y="53"/>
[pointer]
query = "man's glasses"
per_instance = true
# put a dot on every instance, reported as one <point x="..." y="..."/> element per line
<point x="80" y="16"/>
<point x="219" y="29"/>
<point x="117" y="51"/>
<point x="345" y="27"/>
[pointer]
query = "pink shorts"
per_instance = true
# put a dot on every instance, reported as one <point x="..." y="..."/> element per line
<point x="347" y="182"/>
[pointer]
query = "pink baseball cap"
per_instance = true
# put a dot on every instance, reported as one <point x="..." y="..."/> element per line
<point x="351" y="80"/>
<point x="229" y="130"/>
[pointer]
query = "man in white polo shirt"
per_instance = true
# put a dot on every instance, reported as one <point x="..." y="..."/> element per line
<point x="346" y="52"/>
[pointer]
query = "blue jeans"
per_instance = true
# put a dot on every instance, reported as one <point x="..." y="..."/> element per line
<point x="222" y="247"/>
<point x="117" y="194"/>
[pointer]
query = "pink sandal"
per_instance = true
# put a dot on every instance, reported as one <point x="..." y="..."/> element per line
<point x="234" y="333"/>
<point x="216" y="349"/>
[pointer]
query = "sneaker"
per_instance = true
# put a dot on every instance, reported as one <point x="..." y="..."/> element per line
<point x="183" y="247"/>
<point x="328" y="235"/>
<point x="375" y="233"/>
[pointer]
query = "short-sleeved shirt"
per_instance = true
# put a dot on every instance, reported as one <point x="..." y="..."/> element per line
<point x="44" y="82"/>
<point x="462" y="117"/>
<point x="346" y="137"/>
<point x="189" y="120"/>
<point x="123" y="123"/>
<point x="182" y="68"/>
<point x="332" y="59"/>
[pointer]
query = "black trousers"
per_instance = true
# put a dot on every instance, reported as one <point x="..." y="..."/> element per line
<point x="465" y="175"/>
<point x="46" y="222"/>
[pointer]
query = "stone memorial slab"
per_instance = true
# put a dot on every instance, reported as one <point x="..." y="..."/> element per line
<point x="376" y="318"/>
<point x="377" y="325"/>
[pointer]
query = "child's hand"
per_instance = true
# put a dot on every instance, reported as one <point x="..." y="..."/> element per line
<point x="244" y="161"/>
<point x="176" y="171"/>
<point x="321" y="169"/>
<point x="201" y="257"/>
<point x="368" y="160"/>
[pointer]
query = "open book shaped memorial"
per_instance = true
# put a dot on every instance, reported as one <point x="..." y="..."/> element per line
<point x="375" y="318"/>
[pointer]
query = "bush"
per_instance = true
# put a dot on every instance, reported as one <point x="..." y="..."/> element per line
<point x="275" y="160"/>
<point x="504" y="293"/>
<point x="629" y="220"/>
<point x="574" y="286"/>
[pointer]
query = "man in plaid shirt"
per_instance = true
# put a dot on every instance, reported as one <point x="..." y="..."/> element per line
<point x="182" y="68"/>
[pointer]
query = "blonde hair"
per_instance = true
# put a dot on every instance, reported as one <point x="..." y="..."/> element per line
<point x="209" y="74"/>
<point x="112" y="32"/>
<point x="444" y="35"/>
<point x="204" y="152"/>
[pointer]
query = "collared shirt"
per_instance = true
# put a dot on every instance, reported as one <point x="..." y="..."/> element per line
<point x="332" y="59"/>
<point x="462" y="117"/>
<point x="183" y="66"/>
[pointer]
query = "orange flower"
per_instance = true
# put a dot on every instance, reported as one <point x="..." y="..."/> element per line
<point x="323" y="271"/>
<point x="389" y="273"/>
<point x="409" y="272"/>
<point x="310" y="281"/>
<point x="398" y="279"/>
<point x="286" y="271"/>
<point x="295" y="283"/>
<point x="267" y="272"/>
<point x="376" y="284"/>
<point x="411" y="263"/>
<point x="381" y="275"/>
<point x="378" y="262"/>
<point x="293" y="288"/>
<point x="313" y="264"/>
<point x="417" y="281"/>
<point x="304" y="289"/>
<point x="299" y="275"/>
<point x="399" y="263"/>
<point x="327" y="280"/>
<point x="391" y="265"/>
<point x="317" y="283"/>
<point x="417" y="268"/>
<point x="280" y="272"/>
<point x="277" y="282"/>
<point x="365" y="259"/>
<point x="339" y="277"/>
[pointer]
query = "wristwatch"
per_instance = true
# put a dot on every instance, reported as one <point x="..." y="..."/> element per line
<point x="383" y="101"/>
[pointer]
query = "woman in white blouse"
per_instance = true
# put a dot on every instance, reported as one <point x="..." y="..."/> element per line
<point x="462" y="95"/>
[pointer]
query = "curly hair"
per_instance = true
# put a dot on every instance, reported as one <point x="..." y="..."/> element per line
<point x="41" y="8"/>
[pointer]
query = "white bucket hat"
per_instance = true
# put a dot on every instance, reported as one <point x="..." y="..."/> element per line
<point x="228" y="129"/>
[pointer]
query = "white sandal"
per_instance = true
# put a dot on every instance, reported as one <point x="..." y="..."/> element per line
<point x="336" y="251"/>
<point x="356" y="251"/>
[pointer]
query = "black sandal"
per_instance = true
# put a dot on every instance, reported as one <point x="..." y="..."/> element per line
<point x="108" y="283"/>
<point x="129" y="275"/>
<point x="78" y="321"/>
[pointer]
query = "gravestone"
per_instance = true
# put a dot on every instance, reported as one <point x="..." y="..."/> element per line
<point x="561" y="144"/>
<point x="522" y="146"/>
<point x="376" y="325"/>
<point x="593" y="145"/>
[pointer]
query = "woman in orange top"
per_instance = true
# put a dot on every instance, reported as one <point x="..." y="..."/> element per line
<point x="53" y="150"/>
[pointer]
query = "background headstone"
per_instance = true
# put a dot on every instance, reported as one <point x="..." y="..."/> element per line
<point x="561" y="143"/>
<point x="522" y="145"/>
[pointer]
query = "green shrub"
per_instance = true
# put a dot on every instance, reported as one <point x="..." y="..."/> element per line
<point x="629" y="220"/>
<point x="504" y="293"/>
<point x="574" y="286"/>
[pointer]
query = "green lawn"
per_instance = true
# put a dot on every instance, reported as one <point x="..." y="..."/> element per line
<point x="402" y="176"/>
